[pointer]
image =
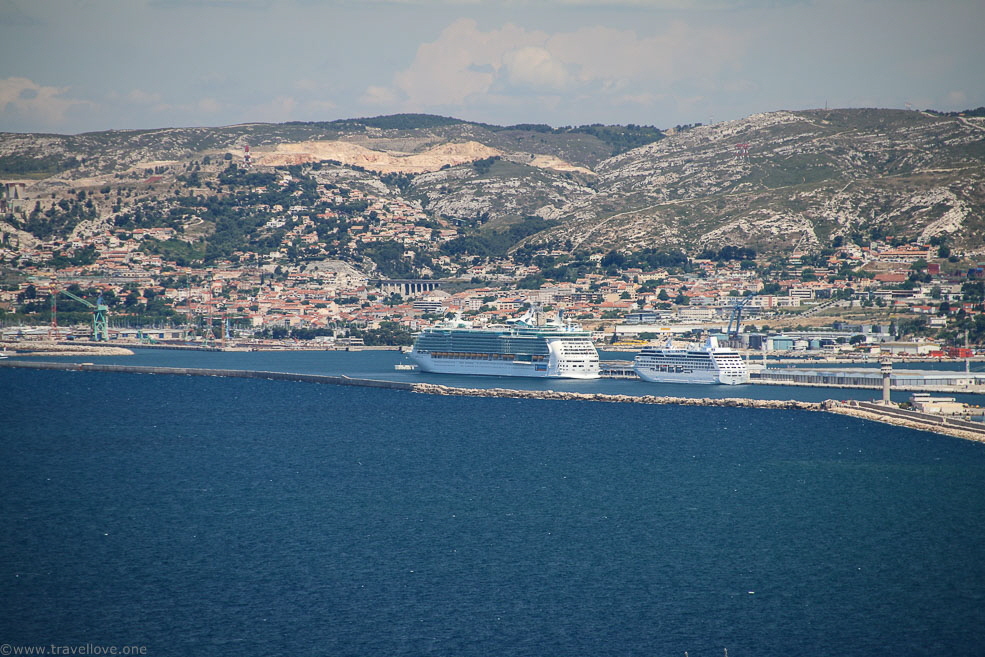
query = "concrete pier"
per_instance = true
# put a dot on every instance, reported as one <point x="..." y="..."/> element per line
<point x="877" y="412"/>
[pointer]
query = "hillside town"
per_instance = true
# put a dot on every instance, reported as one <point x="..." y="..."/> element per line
<point x="332" y="280"/>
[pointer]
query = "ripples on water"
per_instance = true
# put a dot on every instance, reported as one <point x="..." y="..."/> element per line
<point x="203" y="516"/>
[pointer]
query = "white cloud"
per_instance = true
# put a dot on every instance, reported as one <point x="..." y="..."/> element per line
<point x="378" y="96"/>
<point x="156" y="103"/>
<point x="289" y="108"/>
<point x="466" y="66"/>
<point x="21" y="98"/>
<point x="278" y="109"/>
<point x="308" y="85"/>
<point x="643" y="99"/>
<point x="535" y="67"/>
<point x="618" y="57"/>
<point x="142" y="97"/>
<point x="462" y="63"/>
<point x="209" y="105"/>
<point x="957" y="98"/>
<point x="319" y="106"/>
<point x="740" y="85"/>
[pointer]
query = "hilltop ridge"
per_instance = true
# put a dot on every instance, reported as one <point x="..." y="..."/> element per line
<point x="792" y="180"/>
<point x="773" y="182"/>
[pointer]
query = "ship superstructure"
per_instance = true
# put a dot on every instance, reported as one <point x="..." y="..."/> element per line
<point x="520" y="347"/>
<point x="707" y="364"/>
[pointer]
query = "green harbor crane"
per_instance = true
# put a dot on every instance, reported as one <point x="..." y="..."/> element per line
<point x="100" y="316"/>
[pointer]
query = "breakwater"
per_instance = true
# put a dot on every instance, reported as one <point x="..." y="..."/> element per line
<point x="876" y="412"/>
<point x="509" y="393"/>
<point x="864" y="411"/>
<point x="860" y="410"/>
<point x="341" y="380"/>
<point x="49" y="348"/>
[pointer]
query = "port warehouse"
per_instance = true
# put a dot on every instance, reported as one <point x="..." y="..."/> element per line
<point x="873" y="335"/>
<point x="872" y="378"/>
<point x="914" y="380"/>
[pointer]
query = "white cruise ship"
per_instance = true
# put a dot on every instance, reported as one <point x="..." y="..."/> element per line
<point x="520" y="347"/>
<point x="707" y="364"/>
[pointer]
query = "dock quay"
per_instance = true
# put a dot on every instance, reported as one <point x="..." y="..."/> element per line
<point x="862" y="410"/>
<point x="617" y="369"/>
<point x="857" y="360"/>
<point x="870" y="378"/>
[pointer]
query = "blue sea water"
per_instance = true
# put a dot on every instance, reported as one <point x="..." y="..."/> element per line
<point x="207" y="516"/>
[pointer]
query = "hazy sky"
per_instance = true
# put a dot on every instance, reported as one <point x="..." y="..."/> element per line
<point x="72" y="66"/>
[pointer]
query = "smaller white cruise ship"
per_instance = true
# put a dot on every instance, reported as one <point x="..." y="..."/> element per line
<point x="707" y="364"/>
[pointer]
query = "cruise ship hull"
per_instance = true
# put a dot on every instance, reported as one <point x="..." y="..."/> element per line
<point x="496" y="368"/>
<point x="709" y="377"/>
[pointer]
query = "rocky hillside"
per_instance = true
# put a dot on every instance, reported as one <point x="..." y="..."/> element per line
<point x="792" y="179"/>
<point x="773" y="182"/>
<point x="402" y="143"/>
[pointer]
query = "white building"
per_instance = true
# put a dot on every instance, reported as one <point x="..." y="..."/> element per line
<point x="924" y="403"/>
